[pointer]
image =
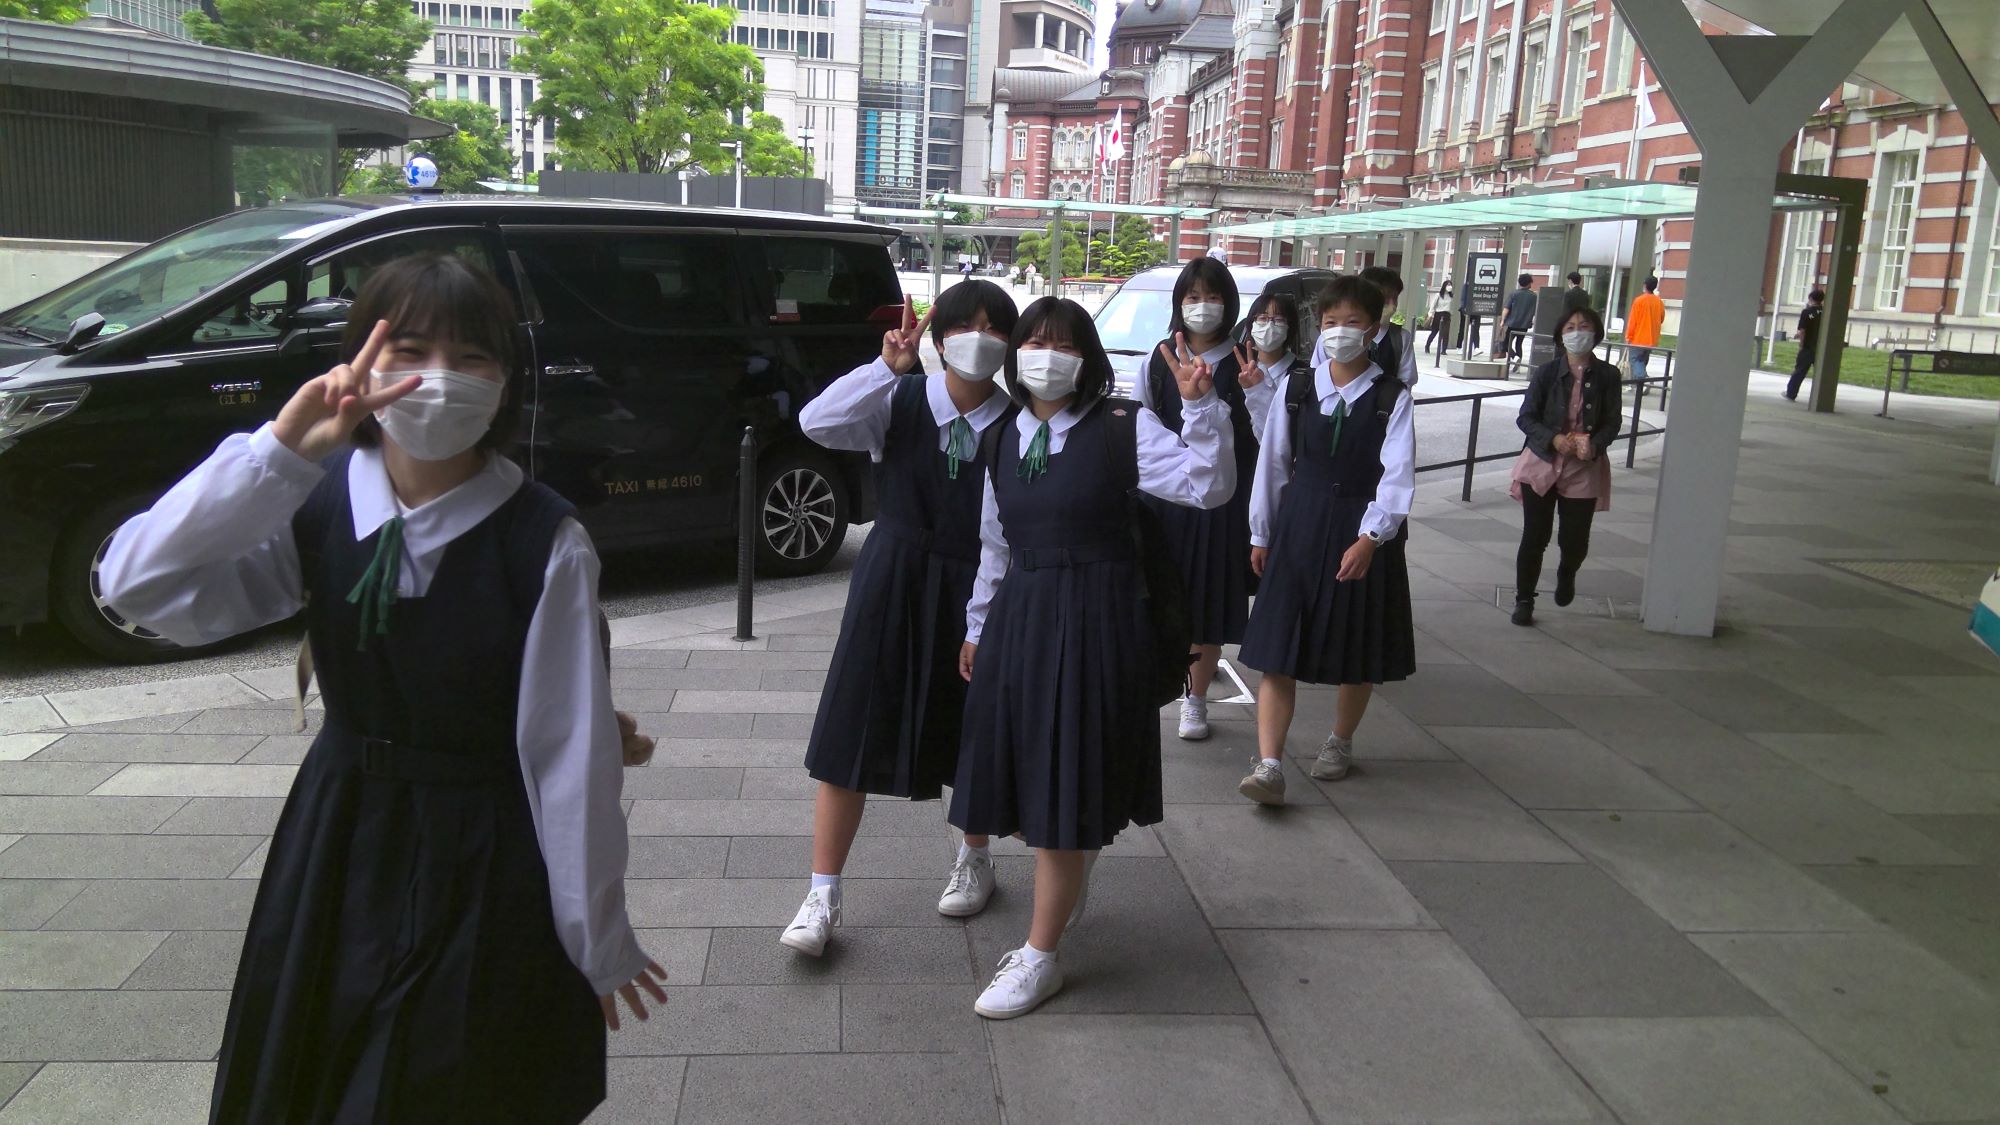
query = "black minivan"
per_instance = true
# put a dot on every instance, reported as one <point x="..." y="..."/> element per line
<point x="652" y="336"/>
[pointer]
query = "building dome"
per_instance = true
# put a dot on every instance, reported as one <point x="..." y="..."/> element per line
<point x="1196" y="158"/>
<point x="1178" y="163"/>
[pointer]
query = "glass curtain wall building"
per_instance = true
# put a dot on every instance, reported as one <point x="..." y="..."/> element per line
<point x="912" y="103"/>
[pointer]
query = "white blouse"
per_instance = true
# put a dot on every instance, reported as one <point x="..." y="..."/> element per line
<point x="215" y="557"/>
<point x="853" y="412"/>
<point x="1194" y="467"/>
<point x="1393" y="495"/>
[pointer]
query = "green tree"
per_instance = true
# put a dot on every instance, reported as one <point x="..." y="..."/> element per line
<point x="49" y="11"/>
<point x="767" y="150"/>
<point x="1034" y="247"/>
<point x="638" y="85"/>
<point x="1133" y="247"/>
<point x="477" y="151"/>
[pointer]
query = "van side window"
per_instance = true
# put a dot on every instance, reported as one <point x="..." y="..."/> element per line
<point x="641" y="280"/>
<point x="343" y="274"/>
<point x="827" y="280"/>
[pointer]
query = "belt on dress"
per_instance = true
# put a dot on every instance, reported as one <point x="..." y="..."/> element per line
<point x="924" y="539"/>
<point x="1051" y="558"/>
<point x="421" y="765"/>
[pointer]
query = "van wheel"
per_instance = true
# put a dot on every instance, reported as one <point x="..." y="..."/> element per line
<point x="77" y="596"/>
<point x="802" y="515"/>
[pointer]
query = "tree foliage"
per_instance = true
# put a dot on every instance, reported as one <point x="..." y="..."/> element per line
<point x="1131" y="248"/>
<point x="373" y="38"/>
<point x="638" y="85"/>
<point x="1034" y="247"/>
<point x="767" y="150"/>
<point x="478" y="151"/>
<point x="48" y="11"/>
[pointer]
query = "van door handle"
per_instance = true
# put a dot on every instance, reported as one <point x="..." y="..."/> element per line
<point x="560" y="371"/>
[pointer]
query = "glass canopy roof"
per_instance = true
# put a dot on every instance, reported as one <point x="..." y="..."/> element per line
<point x="1587" y="205"/>
<point x="1075" y="206"/>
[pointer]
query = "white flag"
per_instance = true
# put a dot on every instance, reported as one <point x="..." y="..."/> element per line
<point x="1646" y="114"/>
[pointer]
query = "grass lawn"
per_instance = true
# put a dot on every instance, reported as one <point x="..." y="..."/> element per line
<point x="1866" y="367"/>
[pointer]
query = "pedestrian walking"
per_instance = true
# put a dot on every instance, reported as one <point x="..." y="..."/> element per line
<point x="1576" y="296"/>
<point x="440" y="932"/>
<point x="1208" y="545"/>
<point x="1392" y="347"/>
<point x="888" y="722"/>
<point x="1570" y="415"/>
<point x="1440" y="328"/>
<point x="1335" y="477"/>
<point x="1468" y="322"/>
<point x="1062" y="732"/>
<point x="1642" y="327"/>
<point x="1520" y="315"/>
<point x="1809" y="318"/>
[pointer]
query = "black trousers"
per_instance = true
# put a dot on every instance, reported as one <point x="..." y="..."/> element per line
<point x="1469" y="323"/>
<point x="1538" y="522"/>
<point x="1799" y="369"/>
<point x="1440" y="333"/>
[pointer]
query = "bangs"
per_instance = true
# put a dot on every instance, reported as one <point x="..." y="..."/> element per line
<point x="441" y="297"/>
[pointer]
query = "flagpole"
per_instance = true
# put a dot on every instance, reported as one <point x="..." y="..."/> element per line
<point x="1641" y="102"/>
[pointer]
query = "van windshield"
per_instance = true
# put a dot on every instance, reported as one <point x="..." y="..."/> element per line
<point x="170" y="273"/>
<point x="1135" y="320"/>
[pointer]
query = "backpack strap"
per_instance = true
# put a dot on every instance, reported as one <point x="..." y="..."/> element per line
<point x="1298" y="391"/>
<point x="1121" y="439"/>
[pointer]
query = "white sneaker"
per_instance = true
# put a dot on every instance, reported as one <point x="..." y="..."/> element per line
<point x="1265" y="785"/>
<point x="1019" y="987"/>
<point x="970" y="887"/>
<point x="1083" y="893"/>
<point x="814" y="923"/>
<point x="1194" y="718"/>
<point x="1336" y="757"/>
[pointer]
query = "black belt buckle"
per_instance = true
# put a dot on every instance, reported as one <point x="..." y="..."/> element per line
<point x="378" y="757"/>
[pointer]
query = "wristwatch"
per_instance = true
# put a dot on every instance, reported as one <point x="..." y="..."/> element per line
<point x="1374" y="537"/>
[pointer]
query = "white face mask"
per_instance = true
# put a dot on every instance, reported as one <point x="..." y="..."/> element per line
<point x="1579" y="342"/>
<point x="1048" y="374"/>
<point x="1203" y="318"/>
<point x="1269" y="335"/>
<point x="1342" y="344"/>
<point x="445" y="416"/>
<point x="974" y="355"/>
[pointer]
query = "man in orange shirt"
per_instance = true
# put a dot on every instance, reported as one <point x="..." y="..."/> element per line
<point x="1642" y="327"/>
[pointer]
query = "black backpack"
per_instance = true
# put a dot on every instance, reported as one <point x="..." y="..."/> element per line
<point x="1162" y="590"/>
<point x="1299" y="389"/>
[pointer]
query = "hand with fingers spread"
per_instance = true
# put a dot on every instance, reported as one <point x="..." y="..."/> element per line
<point x="1191" y="372"/>
<point x="1249" y="372"/>
<point x="650" y="978"/>
<point x="323" y="413"/>
<point x="899" y="344"/>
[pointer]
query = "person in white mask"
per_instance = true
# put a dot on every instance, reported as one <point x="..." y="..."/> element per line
<point x="457" y="818"/>
<point x="1571" y="415"/>
<point x="1062" y="731"/>
<point x="1335" y="479"/>
<point x="1208" y="547"/>
<point x="888" y="722"/>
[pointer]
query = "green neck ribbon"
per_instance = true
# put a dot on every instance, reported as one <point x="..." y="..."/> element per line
<point x="962" y="447"/>
<point x="1339" y="419"/>
<point x="376" y="591"/>
<point x="1036" y="461"/>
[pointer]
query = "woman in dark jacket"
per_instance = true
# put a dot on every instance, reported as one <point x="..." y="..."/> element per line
<point x="1571" y="416"/>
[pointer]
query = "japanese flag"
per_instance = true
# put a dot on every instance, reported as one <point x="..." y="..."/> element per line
<point x="1114" y="143"/>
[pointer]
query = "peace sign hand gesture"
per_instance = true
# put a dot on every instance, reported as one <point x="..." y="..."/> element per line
<point x="323" y="413"/>
<point x="1249" y="372"/>
<point x="1191" y="371"/>
<point x="899" y="345"/>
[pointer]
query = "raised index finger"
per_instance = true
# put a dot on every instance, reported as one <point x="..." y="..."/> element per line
<point x="364" y="362"/>
<point x="909" y="311"/>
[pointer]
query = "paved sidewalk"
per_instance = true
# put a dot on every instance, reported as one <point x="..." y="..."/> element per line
<point x="1583" y="873"/>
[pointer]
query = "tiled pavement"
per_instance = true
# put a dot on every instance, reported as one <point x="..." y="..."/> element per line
<point x="1584" y="873"/>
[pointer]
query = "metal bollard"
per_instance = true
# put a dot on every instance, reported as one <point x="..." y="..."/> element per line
<point x="746" y="532"/>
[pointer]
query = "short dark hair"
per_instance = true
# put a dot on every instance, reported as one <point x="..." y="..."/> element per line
<point x="1588" y="313"/>
<point x="1216" y="276"/>
<point x="1281" y="304"/>
<point x="1351" y="289"/>
<point x="956" y="307"/>
<point x="1575" y="278"/>
<point x="442" y="296"/>
<point x="1817" y="295"/>
<point x="1652" y="283"/>
<point x="1385" y="279"/>
<point x="1063" y="320"/>
<point x="1525" y="280"/>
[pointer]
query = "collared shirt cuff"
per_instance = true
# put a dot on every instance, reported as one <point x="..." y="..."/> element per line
<point x="622" y="969"/>
<point x="280" y="460"/>
<point x="1206" y="402"/>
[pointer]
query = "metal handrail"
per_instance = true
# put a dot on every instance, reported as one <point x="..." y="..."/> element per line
<point x="1473" y="458"/>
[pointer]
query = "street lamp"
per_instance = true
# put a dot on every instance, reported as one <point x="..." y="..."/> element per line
<point x="806" y="143"/>
<point x="737" y="147"/>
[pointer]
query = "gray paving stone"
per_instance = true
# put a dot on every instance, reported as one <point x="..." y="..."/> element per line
<point x="1401" y="1027"/>
<point x="111" y="1026"/>
<point x="1153" y="1068"/>
<point x="1952" y="911"/>
<point x="253" y="867"/>
<point x="752" y="753"/>
<point x="685" y="724"/>
<point x="225" y="816"/>
<point x="623" y="658"/>
<point x="762" y="661"/>
<point x="779" y="783"/>
<point x="38" y="778"/>
<point x="645" y="1091"/>
<point x="682" y="783"/>
<point x="1132" y="843"/>
<point x="1673" y="1071"/>
<point x="1525" y="660"/>
<point x="1441" y="810"/>
<point x="13" y="1076"/>
<point x="28" y="713"/>
<point x="201" y="781"/>
<point x="86" y="815"/>
<point x="1975" y="837"/>
<point x="1893" y="1014"/>
<point x="1805" y="818"/>
<point x="876" y="1018"/>
<point x="56" y="856"/>
<point x="1896" y="779"/>
<point x="1297" y="867"/>
<point x="793" y="680"/>
<point x="712" y="902"/>
<point x="872" y="857"/>
<point x="1746" y="702"/>
<point x="25" y="904"/>
<point x="20" y="747"/>
<point x="1464" y="695"/>
<point x="1563" y="939"/>
<point x="1880" y="653"/>
<point x="174" y="748"/>
<point x="682" y="953"/>
<point x="50" y="959"/>
<point x="95" y="1093"/>
<point x="1657" y="734"/>
<point x="674" y="679"/>
<point x="738" y="1020"/>
<point x="1701" y="874"/>
<point x="1558" y="769"/>
<point x="144" y="724"/>
<point x="1183" y="970"/>
<point x="197" y="960"/>
<point x="279" y="750"/>
<point x="857" y="955"/>
<point x="802" y="642"/>
<point x="722" y="818"/>
<point x="793" y="726"/>
<point x="643" y="700"/>
<point x="158" y="904"/>
<point x="248" y="720"/>
<point x="676" y="857"/>
<point x="878" y="1089"/>
<point x="1206" y="773"/>
<point x="1822" y="591"/>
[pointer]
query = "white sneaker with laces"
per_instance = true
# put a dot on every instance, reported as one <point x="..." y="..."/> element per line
<point x="1194" y="718"/>
<point x="1019" y="987"/>
<point x="1336" y="757"/>
<point x="1265" y="785"/>
<point x="970" y="887"/>
<point x="814" y="923"/>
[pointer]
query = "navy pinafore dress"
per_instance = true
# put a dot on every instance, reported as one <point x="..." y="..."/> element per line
<point x="401" y="962"/>
<point x="889" y="715"/>
<point x="1307" y="624"/>
<point x="1211" y="546"/>
<point x="1061" y="744"/>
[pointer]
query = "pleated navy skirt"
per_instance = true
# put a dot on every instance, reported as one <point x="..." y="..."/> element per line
<point x="1211" y="546"/>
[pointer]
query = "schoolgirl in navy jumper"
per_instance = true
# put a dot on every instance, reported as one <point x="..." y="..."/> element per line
<point x="1335" y="477"/>
<point x="1062" y="737"/>
<point x="440" y="931"/>
<point x="889" y="716"/>
<point x="1208" y="546"/>
<point x="1262" y="360"/>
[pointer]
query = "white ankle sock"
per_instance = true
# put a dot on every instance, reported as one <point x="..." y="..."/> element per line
<point x="1274" y="763"/>
<point x="1200" y="697"/>
<point x="832" y="881"/>
<point x="965" y="850"/>
<point x="1034" y="956"/>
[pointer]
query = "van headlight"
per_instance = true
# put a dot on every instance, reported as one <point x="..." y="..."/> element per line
<point x="33" y="407"/>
